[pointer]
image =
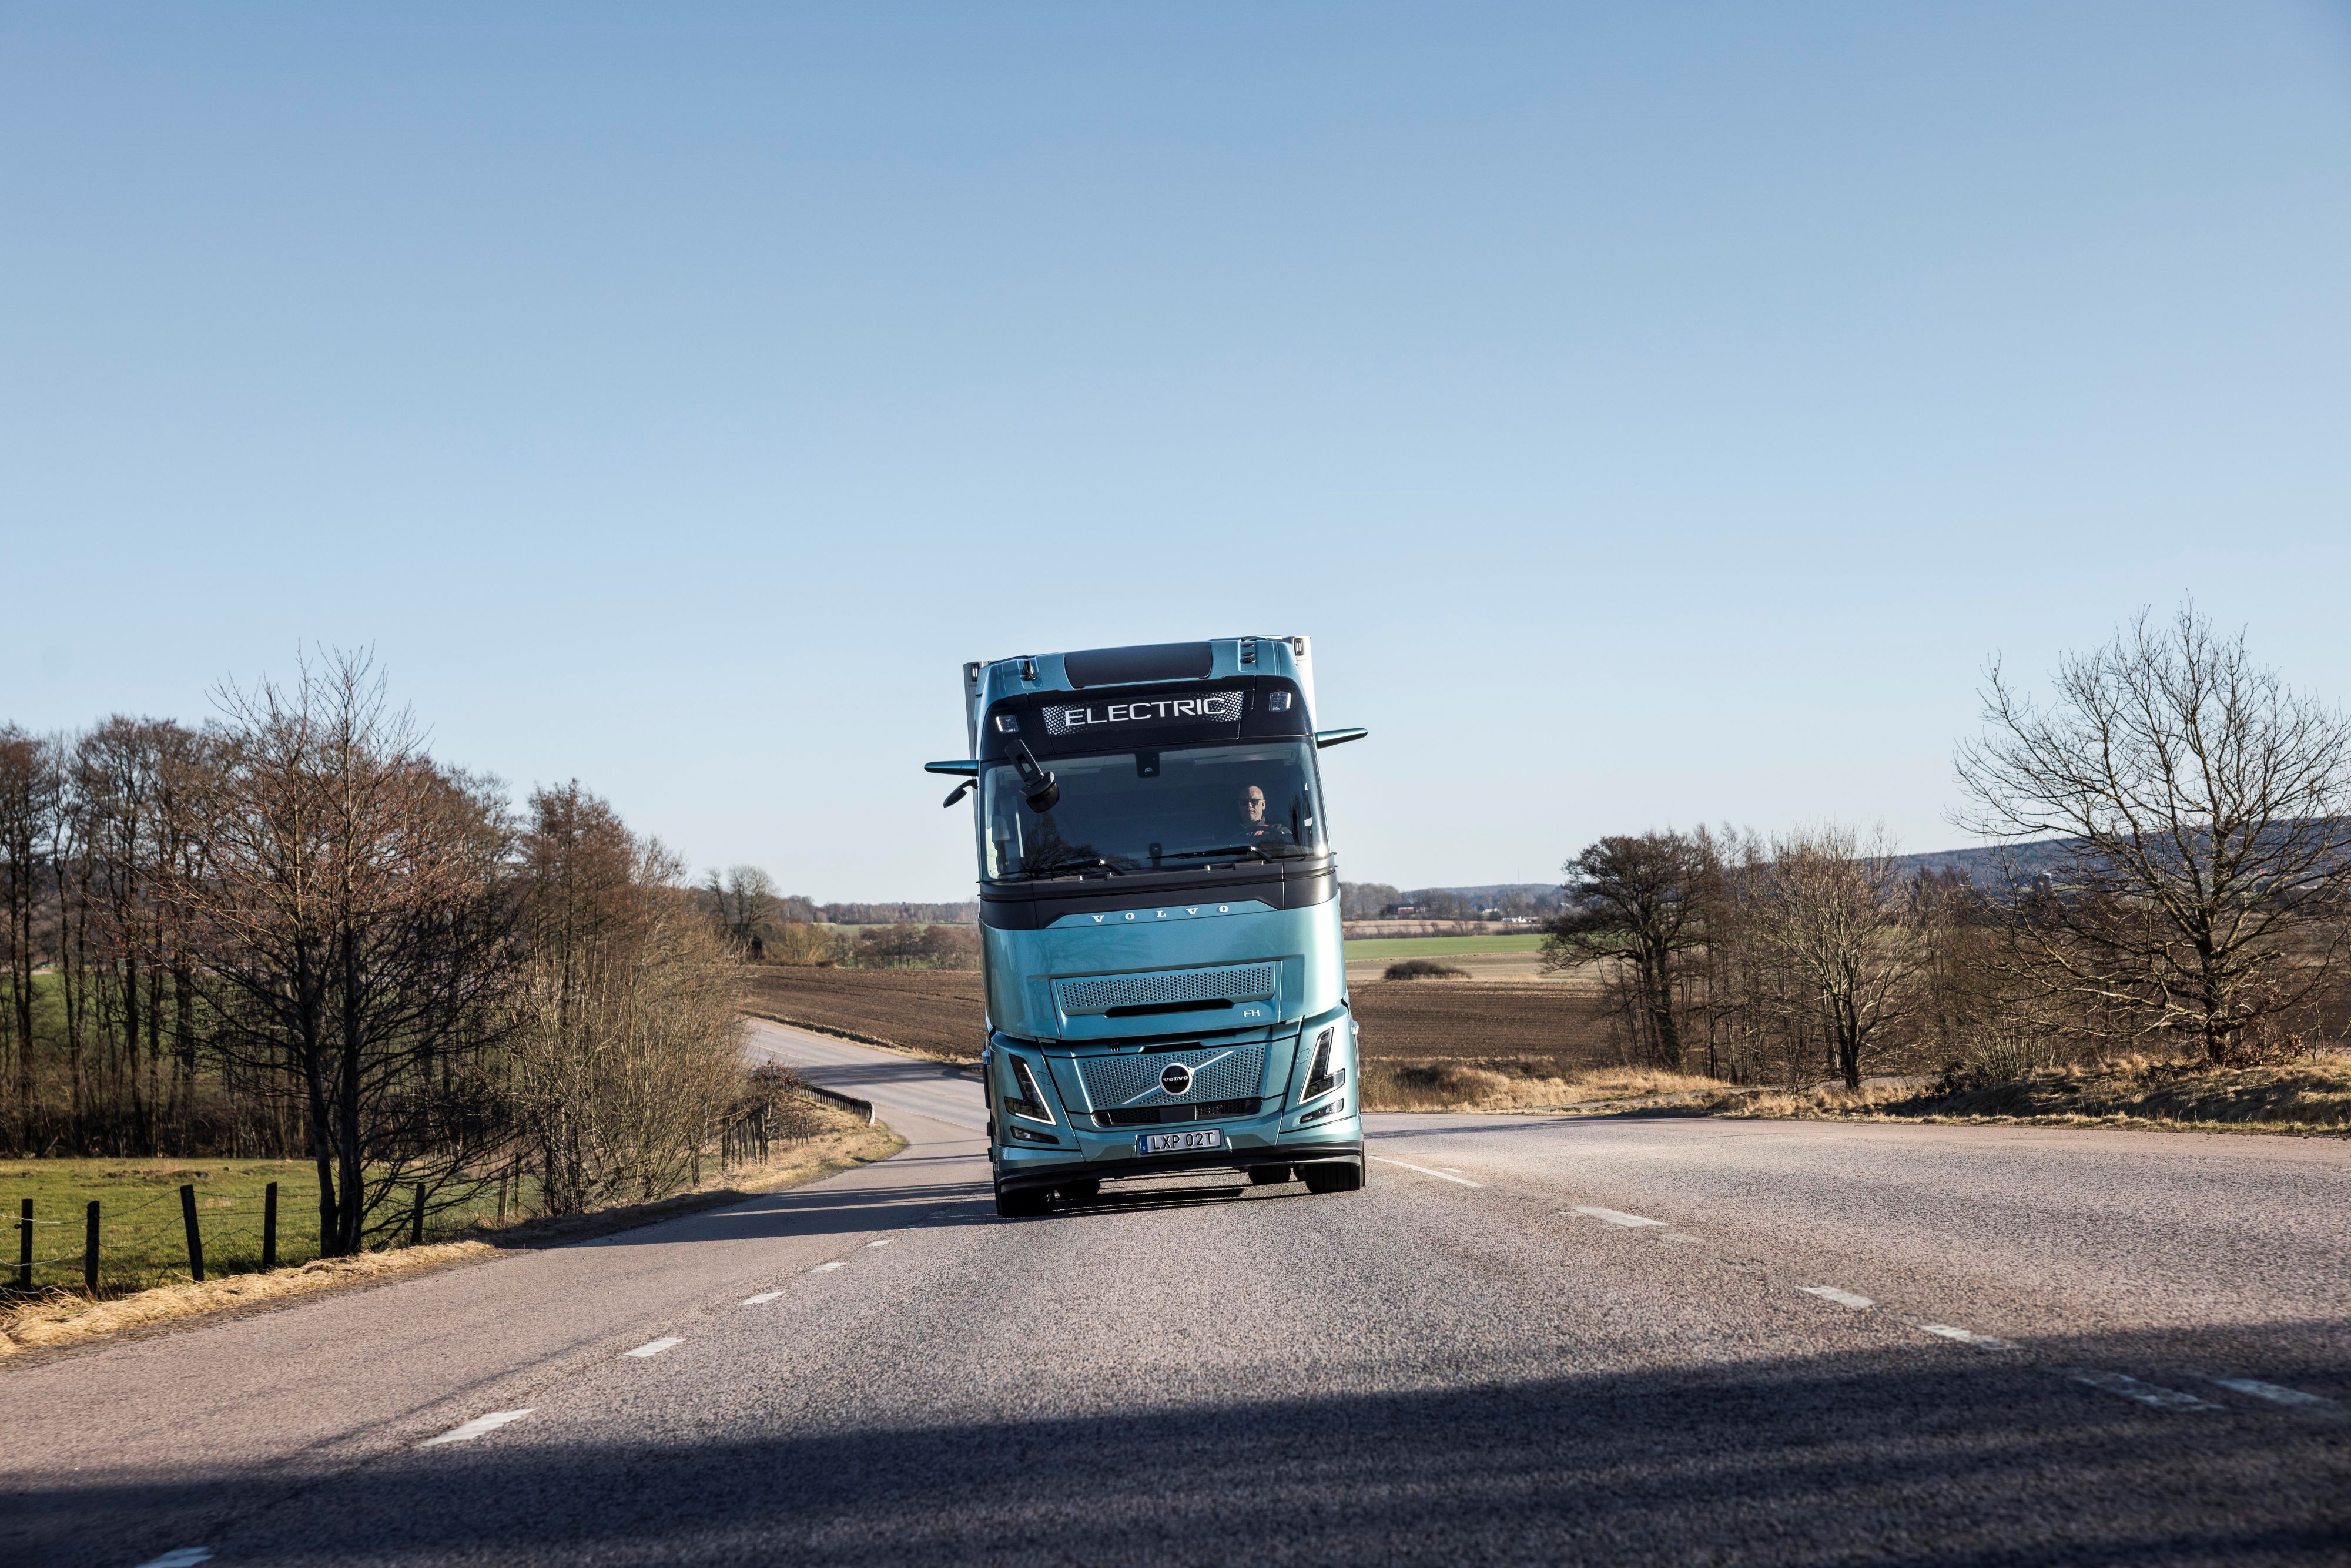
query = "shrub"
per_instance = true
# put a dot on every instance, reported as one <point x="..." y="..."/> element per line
<point x="1424" y="969"/>
<point x="917" y="947"/>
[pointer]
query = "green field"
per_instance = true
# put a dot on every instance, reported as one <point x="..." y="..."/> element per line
<point x="1392" y="948"/>
<point x="142" y="1241"/>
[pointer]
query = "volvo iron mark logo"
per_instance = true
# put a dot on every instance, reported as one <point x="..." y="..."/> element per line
<point x="1175" y="1078"/>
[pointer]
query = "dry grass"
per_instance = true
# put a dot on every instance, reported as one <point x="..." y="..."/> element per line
<point x="1517" y="1083"/>
<point x="64" y="1318"/>
<point x="2301" y="1098"/>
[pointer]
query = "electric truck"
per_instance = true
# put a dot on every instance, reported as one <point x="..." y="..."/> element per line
<point x="1159" y="919"/>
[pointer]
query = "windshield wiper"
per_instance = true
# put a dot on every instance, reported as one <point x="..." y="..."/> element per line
<point x="1256" y="849"/>
<point x="1058" y="868"/>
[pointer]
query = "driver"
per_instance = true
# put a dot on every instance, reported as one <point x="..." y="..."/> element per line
<point x="1256" y="828"/>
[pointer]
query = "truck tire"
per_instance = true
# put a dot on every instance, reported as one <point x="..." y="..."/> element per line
<point x="1333" y="1176"/>
<point x="1024" y="1203"/>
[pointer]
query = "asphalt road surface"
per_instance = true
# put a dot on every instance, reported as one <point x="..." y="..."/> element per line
<point x="1527" y="1339"/>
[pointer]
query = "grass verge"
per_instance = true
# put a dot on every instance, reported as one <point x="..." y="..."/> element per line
<point x="60" y="1318"/>
<point x="1363" y="948"/>
<point x="2300" y="1099"/>
<point x="1516" y="1083"/>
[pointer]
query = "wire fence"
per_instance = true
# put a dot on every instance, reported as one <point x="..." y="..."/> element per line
<point x="138" y="1224"/>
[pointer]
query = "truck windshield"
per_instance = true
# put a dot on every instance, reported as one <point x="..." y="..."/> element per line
<point x="1143" y="811"/>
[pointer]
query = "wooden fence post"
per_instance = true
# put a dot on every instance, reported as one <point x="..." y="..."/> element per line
<point x="195" y="1237"/>
<point x="416" y="1218"/>
<point x="90" y="1253"/>
<point x="269" y="1226"/>
<point x="25" y="1245"/>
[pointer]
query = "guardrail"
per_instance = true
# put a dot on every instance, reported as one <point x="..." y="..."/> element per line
<point x="862" y="1107"/>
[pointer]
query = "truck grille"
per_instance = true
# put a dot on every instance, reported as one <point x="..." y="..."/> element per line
<point x="1132" y="1082"/>
<point x="1224" y="983"/>
<point x="1151" y="1115"/>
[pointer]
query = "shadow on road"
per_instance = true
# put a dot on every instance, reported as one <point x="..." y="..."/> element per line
<point x="1951" y="1461"/>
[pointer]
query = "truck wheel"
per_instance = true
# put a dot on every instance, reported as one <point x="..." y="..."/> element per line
<point x="1268" y="1175"/>
<point x="1333" y="1176"/>
<point x="1079" y="1191"/>
<point x="1024" y="1203"/>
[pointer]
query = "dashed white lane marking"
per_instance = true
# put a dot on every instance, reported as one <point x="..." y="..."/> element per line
<point x="2271" y="1392"/>
<point x="1617" y="1216"/>
<point x="827" y="1268"/>
<point x="762" y="1299"/>
<point x="1424" y="1170"/>
<point x="884" y="1242"/>
<point x="1968" y="1336"/>
<point x="2145" y="1393"/>
<point x="653" y="1347"/>
<point x="1841" y="1298"/>
<point x="479" y="1427"/>
<point x="180" y="1557"/>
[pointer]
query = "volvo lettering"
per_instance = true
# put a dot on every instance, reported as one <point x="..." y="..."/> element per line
<point x="1159" y="920"/>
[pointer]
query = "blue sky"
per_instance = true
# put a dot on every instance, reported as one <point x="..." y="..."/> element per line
<point x="1656" y="414"/>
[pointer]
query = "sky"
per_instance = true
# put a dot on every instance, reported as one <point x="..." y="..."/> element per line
<point x="1656" y="414"/>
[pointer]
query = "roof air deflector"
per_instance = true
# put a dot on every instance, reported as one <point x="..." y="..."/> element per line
<point x="1132" y="666"/>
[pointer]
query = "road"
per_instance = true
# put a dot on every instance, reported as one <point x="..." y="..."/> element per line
<point x="1528" y="1340"/>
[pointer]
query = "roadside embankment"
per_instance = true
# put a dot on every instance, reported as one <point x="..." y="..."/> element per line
<point x="1519" y="1083"/>
<point x="2301" y="1098"/>
<point x="2304" y="1097"/>
<point x="60" y="1317"/>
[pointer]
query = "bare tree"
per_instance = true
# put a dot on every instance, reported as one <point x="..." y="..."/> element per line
<point x="355" y="933"/>
<point x="746" y="904"/>
<point x="1642" y="901"/>
<point x="2204" y="807"/>
<point x="629" y="1049"/>
<point x="28" y="802"/>
<point x="1828" y="909"/>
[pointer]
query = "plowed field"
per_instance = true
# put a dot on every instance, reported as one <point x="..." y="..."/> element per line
<point x="936" y="1012"/>
<point x="1418" y="1020"/>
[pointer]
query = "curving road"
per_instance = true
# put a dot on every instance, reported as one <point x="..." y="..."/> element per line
<point x="1530" y="1340"/>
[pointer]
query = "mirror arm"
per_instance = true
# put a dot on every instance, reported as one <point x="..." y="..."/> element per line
<point x="960" y="790"/>
<point x="968" y="769"/>
<point x="1329" y="737"/>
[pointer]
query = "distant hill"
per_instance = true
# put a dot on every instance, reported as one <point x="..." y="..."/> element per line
<point x="1980" y="865"/>
<point x="1983" y="866"/>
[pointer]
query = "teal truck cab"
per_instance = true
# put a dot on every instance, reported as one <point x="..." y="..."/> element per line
<point x="1159" y="919"/>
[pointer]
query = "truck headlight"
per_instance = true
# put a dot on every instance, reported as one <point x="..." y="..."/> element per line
<point x="1320" y="1079"/>
<point x="1027" y="1100"/>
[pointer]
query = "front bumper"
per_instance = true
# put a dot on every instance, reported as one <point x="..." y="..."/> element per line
<point x="1042" y="1168"/>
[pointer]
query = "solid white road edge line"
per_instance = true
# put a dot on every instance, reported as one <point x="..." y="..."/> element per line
<point x="480" y="1426"/>
<point x="762" y="1299"/>
<point x="2271" y="1392"/>
<point x="827" y="1268"/>
<point x="653" y="1347"/>
<point x="1841" y="1298"/>
<point x="1968" y="1336"/>
<point x="2145" y="1393"/>
<point x="1615" y="1217"/>
<point x="180" y="1557"/>
<point x="1461" y="1181"/>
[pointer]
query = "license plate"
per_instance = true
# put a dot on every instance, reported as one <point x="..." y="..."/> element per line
<point x="1173" y="1142"/>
